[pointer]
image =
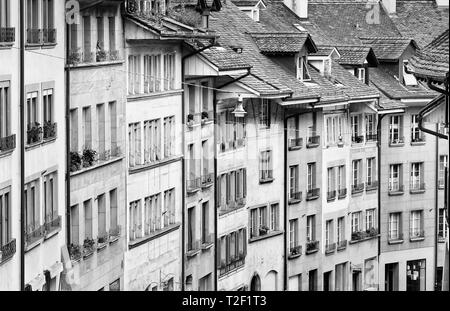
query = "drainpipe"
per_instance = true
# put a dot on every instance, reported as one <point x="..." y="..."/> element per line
<point x="285" y="261"/>
<point x="436" y="212"/>
<point x="216" y="237"/>
<point x="67" y="119"/>
<point x="183" y="166"/>
<point x="22" y="142"/>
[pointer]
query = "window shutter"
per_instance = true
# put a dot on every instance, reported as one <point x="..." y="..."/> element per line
<point x="219" y="189"/>
<point x="218" y="254"/>
<point x="244" y="232"/>
<point x="244" y="187"/>
<point x="227" y="239"/>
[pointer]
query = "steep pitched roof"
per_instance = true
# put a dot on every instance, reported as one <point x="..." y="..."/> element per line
<point x="421" y="20"/>
<point x="356" y="55"/>
<point x="433" y="60"/>
<point x="225" y="58"/>
<point x="388" y="48"/>
<point x="252" y="3"/>
<point x="283" y="43"/>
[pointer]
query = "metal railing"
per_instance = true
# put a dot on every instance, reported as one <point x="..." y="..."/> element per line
<point x="7" y="34"/>
<point x="7" y="250"/>
<point x="364" y="234"/>
<point x="341" y="244"/>
<point x="312" y="246"/>
<point x="312" y="193"/>
<point x="7" y="143"/>
<point x="34" y="36"/>
<point x="233" y="263"/>
<point x="207" y="179"/>
<point x="357" y="139"/>
<point x="342" y="193"/>
<point x="330" y="247"/>
<point x="331" y="195"/>
<point x="295" y="143"/>
<point x="52" y="224"/>
<point x="34" y="134"/>
<point x="356" y="188"/>
<point x="34" y="232"/>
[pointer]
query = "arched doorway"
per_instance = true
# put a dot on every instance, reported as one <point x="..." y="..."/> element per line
<point x="271" y="281"/>
<point x="255" y="284"/>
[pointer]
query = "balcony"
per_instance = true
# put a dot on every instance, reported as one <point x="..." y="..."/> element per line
<point x="207" y="241"/>
<point x="357" y="188"/>
<point x="417" y="139"/>
<point x="342" y="193"/>
<point x="52" y="224"/>
<point x="193" y="185"/>
<point x="76" y="57"/>
<point x="330" y="248"/>
<point x="75" y="252"/>
<point x="395" y="189"/>
<point x="416" y="235"/>
<point x="7" y="143"/>
<point x="416" y="187"/>
<point x="295" y="197"/>
<point x="49" y="130"/>
<point x="265" y="176"/>
<point x="363" y="235"/>
<point x="295" y="143"/>
<point x="207" y="180"/>
<point x="312" y="194"/>
<point x="396" y="141"/>
<point x="357" y="139"/>
<point x="34" y="133"/>
<point x="49" y="36"/>
<point x="371" y="185"/>
<point x="7" y="251"/>
<point x="331" y="195"/>
<point x="341" y="245"/>
<point x="233" y="263"/>
<point x="193" y="119"/>
<point x="89" y="247"/>
<point x="34" y="37"/>
<point x="231" y="205"/>
<point x="312" y="247"/>
<point x="33" y="234"/>
<point x="7" y="35"/>
<point x="395" y="238"/>
<point x="193" y="248"/>
<point x="295" y="252"/>
<point x="313" y="141"/>
<point x="371" y="137"/>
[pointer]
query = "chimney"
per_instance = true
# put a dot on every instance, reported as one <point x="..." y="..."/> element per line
<point x="390" y="5"/>
<point x="442" y="3"/>
<point x="299" y="7"/>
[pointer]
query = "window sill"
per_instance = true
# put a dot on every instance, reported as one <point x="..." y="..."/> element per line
<point x="192" y="190"/>
<point x="52" y="233"/>
<point x="193" y="253"/>
<point x="266" y="236"/>
<point x="136" y="97"/>
<point x="357" y="192"/>
<point x="330" y="252"/>
<point x="417" y="143"/>
<point x="93" y="167"/>
<point x="29" y="247"/>
<point x="4" y="154"/>
<point x="312" y="251"/>
<point x="206" y="122"/>
<point x="41" y="143"/>
<point x="341" y="248"/>
<point x="148" y="166"/>
<point x="396" y="144"/>
<point x="294" y="148"/>
<point x="267" y="180"/>
<point x="155" y="235"/>
<point x="341" y="197"/>
<point x="311" y="198"/>
<point x="417" y="239"/>
<point x="226" y="212"/>
<point x="294" y="201"/>
<point x="331" y="199"/>
<point x="206" y="246"/>
<point x="395" y="193"/>
<point x="95" y="64"/>
<point x="207" y="185"/>
<point x="417" y="191"/>
<point x="309" y="146"/>
<point x="6" y="45"/>
<point x="393" y="242"/>
<point x="294" y="256"/>
<point x="362" y="240"/>
<point x="369" y="189"/>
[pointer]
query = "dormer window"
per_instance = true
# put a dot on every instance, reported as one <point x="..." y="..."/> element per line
<point x="408" y="78"/>
<point x="361" y="74"/>
<point x="302" y="69"/>
<point x="251" y="11"/>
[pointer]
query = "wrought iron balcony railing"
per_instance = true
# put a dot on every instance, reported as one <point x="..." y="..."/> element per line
<point x="7" y="34"/>
<point x="34" y="133"/>
<point x="49" y="36"/>
<point x="7" y="143"/>
<point x="312" y="194"/>
<point x="342" y="193"/>
<point x="34" y="36"/>
<point x="356" y="188"/>
<point x="232" y="263"/>
<point x="341" y="244"/>
<point x="312" y="246"/>
<point x="207" y="179"/>
<point x="193" y="184"/>
<point x="295" y="143"/>
<point x="33" y="233"/>
<point x="7" y="250"/>
<point x="52" y="224"/>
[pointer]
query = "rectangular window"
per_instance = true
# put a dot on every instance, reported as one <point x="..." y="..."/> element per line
<point x="100" y="34"/>
<point x="205" y="222"/>
<point x="135" y="228"/>
<point x="101" y="215"/>
<point x="87" y="128"/>
<point x="266" y="172"/>
<point x="254" y="223"/>
<point x="356" y="174"/>
<point x="152" y="140"/>
<point x="32" y="24"/>
<point x="50" y="197"/>
<point x="47" y="103"/>
<point x="415" y="224"/>
<point x="112" y="34"/>
<point x="361" y="74"/>
<point x="371" y="173"/>
<point x="74" y="130"/>
<point x="32" y="200"/>
<point x="416" y="176"/>
<point x="356" y="129"/>
<point x="370" y="219"/>
<point x="169" y="136"/>
<point x="5" y="110"/>
<point x="113" y="128"/>
<point x="74" y="225"/>
<point x="191" y="229"/>
<point x="302" y="69"/>
<point x="264" y="113"/>
<point x="341" y="178"/>
<point x="5" y="217"/>
<point x="415" y="275"/>
<point x="416" y="133"/>
<point x="329" y="232"/>
<point x="32" y="111"/>
<point x="311" y="182"/>
<point x="293" y="182"/>
<point x="113" y="216"/>
<point x="293" y="233"/>
<point x="395" y="177"/>
<point x="341" y="229"/>
<point x="356" y="222"/>
<point x="101" y="130"/>
<point x="394" y="226"/>
<point x="4" y="14"/>
<point x="371" y="127"/>
<point x="87" y="47"/>
<point x="443" y="164"/>
<point x="134" y="74"/>
<point x="331" y="180"/>
<point x="169" y="71"/>
<point x="274" y="215"/>
<point x="442" y="225"/>
<point x="311" y="228"/>
<point x="88" y="225"/>
<point x="396" y="130"/>
<point x="134" y="139"/>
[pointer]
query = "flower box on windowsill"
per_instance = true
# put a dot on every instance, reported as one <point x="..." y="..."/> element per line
<point x="266" y="180"/>
<point x="341" y="245"/>
<point x="396" y="191"/>
<point x="295" y="252"/>
<point x="400" y="142"/>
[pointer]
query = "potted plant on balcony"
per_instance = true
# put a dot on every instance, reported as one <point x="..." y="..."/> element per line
<point x="372" y="232"/>
<point x="49" y="129"/>
<point x="75" y="161"/>
<point x="34" y="132"/>
<point x="74" y="57"/>
<point x="101" y="55"/>
<point x="88" y="157"/>
<point x="74" y="252"/>
<point x="205" y="117"/>
<point x="263" y="230"/>
<point x="190" y="120"/>
<point x="88" y="246"/>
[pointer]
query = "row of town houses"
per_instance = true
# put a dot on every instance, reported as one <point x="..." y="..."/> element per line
<point x="219" y="145"/>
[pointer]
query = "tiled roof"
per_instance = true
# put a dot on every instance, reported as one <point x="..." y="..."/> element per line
<point x="433" y="60"/>
<point x="225" y="58"/>
<point x="388" y="48"/>
<point x="245" y="2"/>
<point x="421" y="20"/>
<point x="385" y="104"/>
<point x="394" y="89"/>
<point x="274" y="43"/>
<point x="323" y="51"/>
<point x="355" y="55"/>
